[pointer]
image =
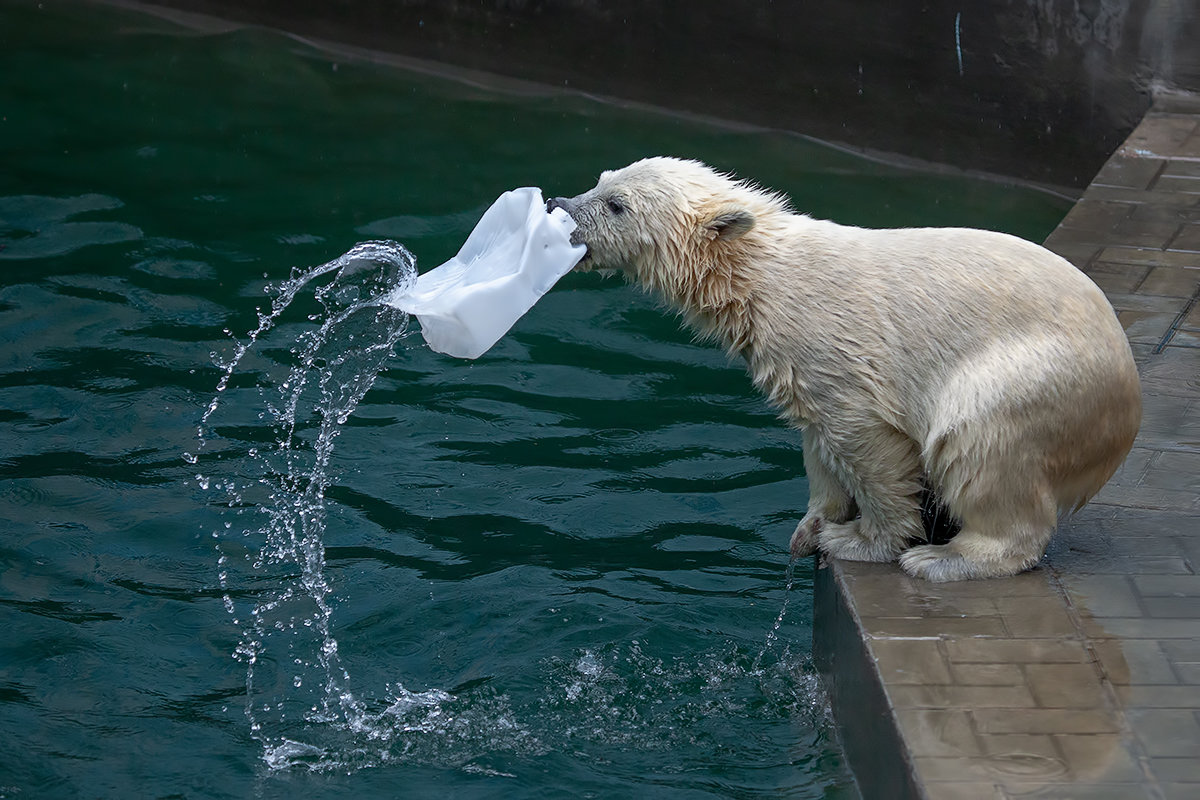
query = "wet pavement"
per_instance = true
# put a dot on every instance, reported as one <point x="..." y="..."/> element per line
<point x="1081" y="678"/>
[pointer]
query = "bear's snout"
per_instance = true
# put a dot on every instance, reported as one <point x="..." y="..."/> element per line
<point x="569" y="205"/>
<point x="559" y="202"/>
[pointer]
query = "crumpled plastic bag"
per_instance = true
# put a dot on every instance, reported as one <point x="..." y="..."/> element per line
<point x="516" y="252"/>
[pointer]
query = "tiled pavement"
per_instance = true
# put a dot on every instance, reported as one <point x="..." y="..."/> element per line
<point x="1080" y="679"/>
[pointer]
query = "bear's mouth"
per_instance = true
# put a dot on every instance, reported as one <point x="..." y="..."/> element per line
<point x="586" y="261"/>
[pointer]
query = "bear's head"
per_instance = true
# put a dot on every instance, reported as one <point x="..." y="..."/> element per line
<point x="653" y="208"/>
<point x="680" y="228"/>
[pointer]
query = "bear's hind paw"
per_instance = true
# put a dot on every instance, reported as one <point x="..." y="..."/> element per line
<point x="937" y="563"/>
<point x="942" y="563"/>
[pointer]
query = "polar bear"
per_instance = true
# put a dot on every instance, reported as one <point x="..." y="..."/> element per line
<point x="975" y="363"/>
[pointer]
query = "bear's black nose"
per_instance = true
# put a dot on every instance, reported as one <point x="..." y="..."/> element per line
<point x="557" y="202"/>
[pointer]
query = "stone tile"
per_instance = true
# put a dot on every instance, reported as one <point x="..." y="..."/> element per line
<point x="1184" y="657"/>
<point x="1185" y="337"/>
<point x="1177" y="471"/>
<point x="1166" y="419"/>
<point x="1175" y="607"/>
<point x="962" y="790"/>
<point x="939" y="732"/>
<point x="1135" y="545"/>
<point x="1174" y="372"/>
<point x="1182" y="186"/>
<point x="1168" y="585"/>
<point x="1004" y="674"/>
<point x="1100" y="757"/>
<point x="1178" y="770"/>
<point x="1188" y="239"/>
<point x="1153" y="498"/>
<point x="1147" y="304"/>
<point x="1066" y="685"/>
<point x="1178" y="168"/>
<point x="1138" y="233"/>
<point x="1151" y="628"/>
<point x="1180" y="791"/>
<point x="1166" y="732"/>
<point x="966" y="697"/>
<point x="1008" y="744"/>
<point x="1159" y="136"/>
<point x="1180" y="696"/>
<point x="1016" y="651"/>
<point x="1117" y="278"/>
<point x="1152" y="256"/>
<point x="1045" y="720"/>
<point x="1103" y="595"/>
<point x="1147" y="326"/>
<point x="1149" y="523"/>
<point x="885" y="596"/>
<point x="1136" y="661"/>
<point x="1076" y="244"/>
<point x="1100" y="555"/>
<point x="1025" y="765"/>
<point x="902" y="661"/>
<point x="1189" y="545"/>
<point x="1149" y="212"/>
<point x="1099" y="215"/>
<point x="1126" y="195"/>
<point x="1129" y="171"/>
<point x="1069" y="790"/>
<point x="1034" y="583"/>
<point x="933" y="626"/>
<point x="1171" y="282"/>
<point x="1078" y="252"/>
<point x="1035" y="617"/>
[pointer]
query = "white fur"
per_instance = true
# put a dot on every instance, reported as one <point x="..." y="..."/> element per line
<point x="983" y="364"/>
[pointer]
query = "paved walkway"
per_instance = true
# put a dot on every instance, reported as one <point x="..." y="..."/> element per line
<point x="1080" y="679"/>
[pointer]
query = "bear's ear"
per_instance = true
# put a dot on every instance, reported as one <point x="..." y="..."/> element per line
<point x="728" y="223"/>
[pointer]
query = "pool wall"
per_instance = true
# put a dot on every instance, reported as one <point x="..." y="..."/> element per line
<point x="1034" y="89"/>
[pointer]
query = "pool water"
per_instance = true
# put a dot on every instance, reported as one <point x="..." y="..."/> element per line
<point x="560" y="569"/>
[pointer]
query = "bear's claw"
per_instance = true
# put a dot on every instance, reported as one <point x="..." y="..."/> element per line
<point x="804" y="538"/>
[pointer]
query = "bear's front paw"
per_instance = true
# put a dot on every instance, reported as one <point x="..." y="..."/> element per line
<point x="804" y="539"/>
<point x="848" y="543"/>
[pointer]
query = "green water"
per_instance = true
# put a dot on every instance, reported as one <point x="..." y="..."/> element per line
<point x="557" y="570"/>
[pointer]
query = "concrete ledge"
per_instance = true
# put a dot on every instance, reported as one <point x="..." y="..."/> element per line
<point x="866" y="722"/>
<point x="1081" y="678"/>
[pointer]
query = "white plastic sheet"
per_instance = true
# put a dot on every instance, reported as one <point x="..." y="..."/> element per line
<point x="516" y="252"/>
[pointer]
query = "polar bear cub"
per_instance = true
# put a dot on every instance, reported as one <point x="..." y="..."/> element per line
<point x="974" y="363"/>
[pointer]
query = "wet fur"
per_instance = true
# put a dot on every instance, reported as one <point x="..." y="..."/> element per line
<point x="970" y="364"/>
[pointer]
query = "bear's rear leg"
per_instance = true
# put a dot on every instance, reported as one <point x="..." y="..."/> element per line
<point x="992" y="544"/>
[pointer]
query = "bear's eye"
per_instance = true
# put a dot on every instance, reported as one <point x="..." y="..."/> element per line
<point x="616" y="206"/>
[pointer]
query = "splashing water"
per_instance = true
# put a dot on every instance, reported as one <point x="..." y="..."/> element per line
<point x="332" y="366"/>
<point x="300" y="701"/>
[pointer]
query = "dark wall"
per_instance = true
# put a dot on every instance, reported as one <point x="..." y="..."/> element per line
<point x="1041" y="89"/>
